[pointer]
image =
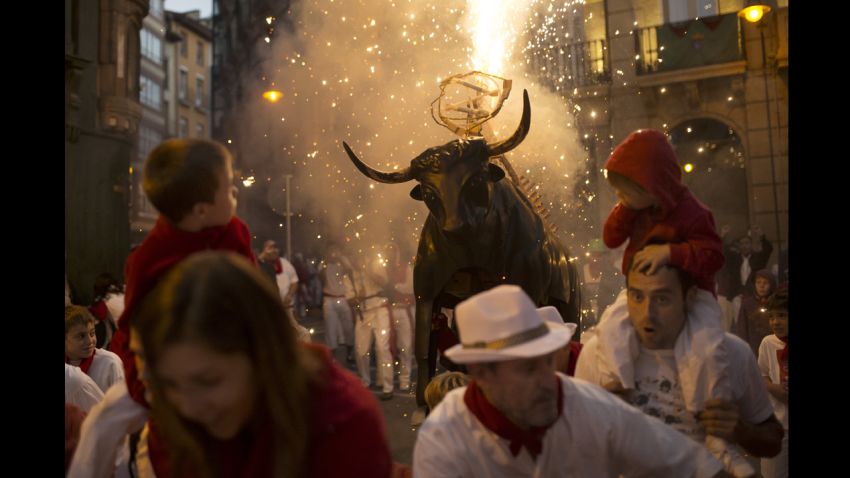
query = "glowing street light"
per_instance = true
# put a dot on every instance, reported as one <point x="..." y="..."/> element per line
<point x="272" y="95"/>
<point x="754" y="10"/>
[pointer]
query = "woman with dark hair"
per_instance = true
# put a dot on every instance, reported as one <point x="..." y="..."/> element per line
<point x="232" y="391"/>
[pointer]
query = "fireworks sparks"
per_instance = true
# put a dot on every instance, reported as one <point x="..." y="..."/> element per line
<point x="366" y="74"/>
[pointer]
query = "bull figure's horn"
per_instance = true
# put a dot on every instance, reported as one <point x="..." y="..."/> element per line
<point x="503" y="147"/>
<point x="380" y="176"/>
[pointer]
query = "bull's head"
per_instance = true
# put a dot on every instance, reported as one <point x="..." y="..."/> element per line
<point x="455" y="179"/>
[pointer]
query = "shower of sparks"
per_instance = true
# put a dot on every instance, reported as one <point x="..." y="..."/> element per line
<point x="367" y="72"/>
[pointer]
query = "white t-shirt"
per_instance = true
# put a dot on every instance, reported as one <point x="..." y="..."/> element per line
<point x="337" y="281"/>
<point x="80" y="389"/>
<point x="115" y="304"/>
<point x="659" y="394"/>
<point x="106" y="369"/>
<point x="596" y="435"/>
<point x="103" y="447"/>
<point x="769" y="366"/>
<point x="286" y="278"/>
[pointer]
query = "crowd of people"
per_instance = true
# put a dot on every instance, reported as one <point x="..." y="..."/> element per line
<point x="199" y="366"/>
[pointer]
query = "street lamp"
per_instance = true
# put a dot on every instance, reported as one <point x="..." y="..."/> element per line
<point x="273" y="96"/>
<point x="754" y="12"/>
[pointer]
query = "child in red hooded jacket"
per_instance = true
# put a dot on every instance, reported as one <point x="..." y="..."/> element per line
<point x="666" y="225"/>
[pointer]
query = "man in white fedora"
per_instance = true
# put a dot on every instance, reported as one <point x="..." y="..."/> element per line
<point x="518" y="417"/>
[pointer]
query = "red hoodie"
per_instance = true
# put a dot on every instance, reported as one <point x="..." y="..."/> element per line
<point x="647" y="158"/>
<point x="161" y="250"/>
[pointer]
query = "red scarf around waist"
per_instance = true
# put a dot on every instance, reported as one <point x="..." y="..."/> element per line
<point x="498" y="423"/>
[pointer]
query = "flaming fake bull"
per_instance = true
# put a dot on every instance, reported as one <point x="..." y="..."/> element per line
<point x="481" y="231"/>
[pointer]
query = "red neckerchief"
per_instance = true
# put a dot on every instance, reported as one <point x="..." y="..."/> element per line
<point x="278" y="266"/>
<point x="85" y="365"/>
<point x="495" y="421"/>
<point x="164" y="247"/>
<point x="783" y="354"/>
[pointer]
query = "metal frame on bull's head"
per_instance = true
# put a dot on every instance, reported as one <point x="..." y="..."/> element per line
<point x="478" y="222"/>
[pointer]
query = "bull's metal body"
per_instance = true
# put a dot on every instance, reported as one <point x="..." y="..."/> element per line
<point x="478" y="222"/>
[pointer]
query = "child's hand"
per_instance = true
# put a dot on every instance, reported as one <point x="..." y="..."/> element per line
<point x="650" y="258"/>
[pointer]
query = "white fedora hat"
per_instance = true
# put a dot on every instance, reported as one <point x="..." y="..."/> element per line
<point x="551" y="314"/>
<point x="502" y="324"/>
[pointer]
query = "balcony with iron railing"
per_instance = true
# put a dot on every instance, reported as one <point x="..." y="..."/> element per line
<point x="706" y="47"/>
<point x="580" y="64"/>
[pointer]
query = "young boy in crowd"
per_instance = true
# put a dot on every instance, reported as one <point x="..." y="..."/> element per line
<point x="773" y="362"/>
<point x="190" y="182"/>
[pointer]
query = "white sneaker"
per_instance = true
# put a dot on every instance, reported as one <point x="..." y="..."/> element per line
<point x="726" y="453"/>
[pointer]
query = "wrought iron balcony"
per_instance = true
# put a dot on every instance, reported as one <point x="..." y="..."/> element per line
<point x="692" y="44"/>
<point x="572" y="65"/>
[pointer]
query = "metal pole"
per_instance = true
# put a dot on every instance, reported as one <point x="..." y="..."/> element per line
<point x="762" y="26"/>
<point x="288" y="221"/>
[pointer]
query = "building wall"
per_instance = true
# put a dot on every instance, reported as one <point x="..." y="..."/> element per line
<point x="152" y="129"/>
<point x="102" y="114"/>
<point x="194" y="107"/>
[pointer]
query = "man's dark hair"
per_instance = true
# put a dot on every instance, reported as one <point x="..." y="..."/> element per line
<point x="685" y="279"/>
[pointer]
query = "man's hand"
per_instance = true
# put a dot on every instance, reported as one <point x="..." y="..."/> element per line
<point x="779" y="391"/>
<point x="720" y="419"/>
<point x="725" y="230"/>
<point x="650" y="258"/>
<point x="756" y="232"/>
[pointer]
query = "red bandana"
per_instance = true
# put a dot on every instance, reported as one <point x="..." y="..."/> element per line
<point x="85" y="365"/>
<point x="783" y="354"/>
<point x="278" y="266"/>
<point x="495" y="421"/>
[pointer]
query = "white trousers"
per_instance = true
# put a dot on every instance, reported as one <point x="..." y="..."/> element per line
<point x="375" y="324"/>
<point x="339" y="325"/>
<point x="402" y="318"/>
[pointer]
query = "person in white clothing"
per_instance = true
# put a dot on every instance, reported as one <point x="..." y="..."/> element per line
<point x="658" y="311"/>
<point x="283" y="273"/>
<point x="103" y="366"/>
<point x="335" y="275"/>
<point x="773" y="362"/>
<point x="518" y="417"/>
<point x="80" y="389"/>
<point x="372" y="321"/>
<point x="399" y="290"/>
<point x="103" y="449"/>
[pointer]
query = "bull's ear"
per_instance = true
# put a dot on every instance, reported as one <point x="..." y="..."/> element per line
<point x="416" y="192"/>
<point x="496" y="173"/>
